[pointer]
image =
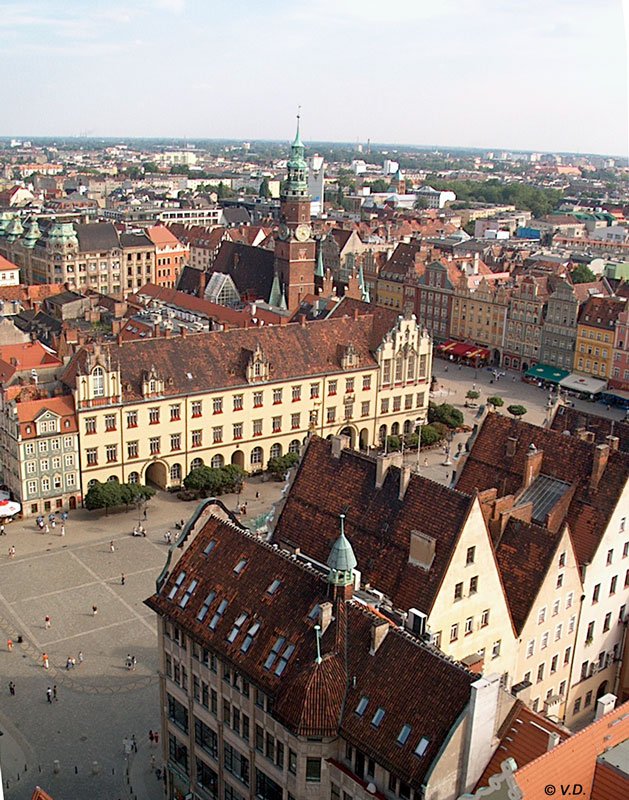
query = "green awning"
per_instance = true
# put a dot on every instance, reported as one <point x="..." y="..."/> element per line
<point x="544" y="372"/>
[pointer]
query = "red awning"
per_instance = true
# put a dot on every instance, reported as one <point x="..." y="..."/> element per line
<point x="464" y="350"/>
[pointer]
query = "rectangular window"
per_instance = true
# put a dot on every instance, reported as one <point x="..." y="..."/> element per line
<point x="384" y="405"/>
<point x="295" y="421"/>
<point x="331" y="415"/>
<point x="195" y="409"/>
<point x="257" y="427"/>
<point x="495" y="650"/>
<point x="314" y="391"/>
<point x="153" y="416"/>
<point x="175" y="441"/>
<point x="217" y="404"/>
<point x="277" y="396"/>
<point x="541" y="616"/>
<point x="474" y="584"/>
<point x="469" y="625"/>
<point x="349" y="385"/>
<point x="366" y="382"/>
<point x="397" y="403"/>
<point x="91" y="455"/>
<point x="458" y="591"/>
<point x="364" y="408"/>
<point x="608" y="621"/>
<point x="132" y="419"/>
<point x="296" y="393"/>
<point x="90" y="425"/>
<point x="110" y="422"/>
<point x="217" y="434"/>
<point x="313" y="770"/>
<point x="175" y="412"/>
<point x="469" y="557"/>
<point x="569" y="600"/>
<point x="454" y="632"/>
<point x="484" y="620"/>
<point x="154" y="445"/>
<point x="238" y="402"/>
<point x="292" y="762"/>
<point x="238" y="430"/>
<point x="111" y="452"/>
<point x="257" y="399"/>
<point x="276" y="425"/>
<point x="236" y="764"/>
<point x="612" y="585"/>
<point x="408" y="402"/>
<point x="332" y="388"/>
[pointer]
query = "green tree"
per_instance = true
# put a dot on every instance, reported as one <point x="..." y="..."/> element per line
<point x="582" y="274"/>
<point x="495" y="401"/>
<point x="214" y="481"/>
<point x="516" y="411"/>
<point x="394" y="443"/>
<point x="420" y="203"/>
<point x="379" y="185"/>
<point x="472" y="394"/>
<point x="112" y="494"/>
<point x="445" y="413"/>
<point x="278" y="467"/>
<point x="265" y="190"/>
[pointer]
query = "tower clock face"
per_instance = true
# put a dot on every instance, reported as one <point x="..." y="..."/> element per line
<point x="302" y="232"/>
<point x="284" y="231"/>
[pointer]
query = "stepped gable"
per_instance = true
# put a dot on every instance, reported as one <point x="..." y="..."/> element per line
<point x="218" y="359"/>
<point x="524" y="554"/>
<point x="412" y="683"/>
<point x="565" y="458"/>
<point x="377" y="522"/>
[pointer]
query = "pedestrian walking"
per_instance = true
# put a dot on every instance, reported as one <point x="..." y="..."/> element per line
<point x="2" y="531"/>
<point x="46" y="528"/>
<point x="12" y="551"/>
<point x="134" y="743"/>
<point x="46" y="622"/>
<point x="257" y="495"/>
<point x="54" y="692"/>
<point x="49" y="694"/>
<point x="128" y="661"/>
<point x="152" y="762"/>
<point x="44" y="660"/>
<point x="53" y="524"/>
<point x="151" y="737"/>
<point x="63" y="529"/>
<point x="9" y="645"/>
<point x="426" y="461"/>
<point x="12" y="688"/>
<point x="144" y="513"/>
<point x="94" y="611"/>
<point x="111" y="546"/>
<point x="122" y="579"/>
<point x="134" y="662"/>
<point x="80" y="657"/>
<point x="156" y="738"/>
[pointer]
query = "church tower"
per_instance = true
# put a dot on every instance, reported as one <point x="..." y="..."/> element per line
<point x="295" y="249"/>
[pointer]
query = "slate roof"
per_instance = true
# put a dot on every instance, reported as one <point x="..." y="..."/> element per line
<point x="236" y="215"/>
<point x="571" y="419"/>
<point x="218" y="360"/>
<point x="96" y="236"/>
<point x="524" y="555"/>
<point x="565" y="458"/>
<point x="190" y="280"/>
<point x="402" y="258"/>
<point x="377" y="522"/>
<point x="135" y="240"/>
<point x="601" y="312"/>
<point x="432" y="708"/>
<point x="524" y="736"/>
<point x="251" y="268"/>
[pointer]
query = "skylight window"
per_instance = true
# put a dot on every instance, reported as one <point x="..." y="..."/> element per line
<point x="248" y="641"/>
<point x="218" y="615"/>
<point x="377" y="718"/>
<point x="422" y="746"/>
<point x="240" y="566"/>
<point x="206" y="606"/>
<point x="404" y="734"/>
<point x="177" y="584"/>
<point x="279" y="656"/>
<point x="240" y="621"/>
<point x="188" y="593"/>
<point x="209" y="547"/>
<point x="362" y="705"/>
<point x="314" y="611"/>
<point x="274" y="586"/>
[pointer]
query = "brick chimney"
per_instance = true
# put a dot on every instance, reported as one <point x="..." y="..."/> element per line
<point x="405" y="477"/>
<point x="512" y="443"/>
<point x="478" y="746"/>
<point x="339" y="443"/>
<point x="383" y="462"/>
<point x="601" y="454"/>
<point x="325" y="616"/>
<point x="613" y="442"/>
<point x="532" y="465"/>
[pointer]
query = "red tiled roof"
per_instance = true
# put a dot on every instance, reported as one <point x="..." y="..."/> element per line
<point x="572" y="419"/>
<point x="26" y="356"/>
<point x="377" y="522"/>
<point x="601" y="312"/>
<point x="609" y="782"/>
<point x="219" y="359"/>
<point x="29" y="410"/>
<point x="348" y="670"/>
<point x="162" y="237"/>
<point x="574" y="760"/>
<point x="6" y="264"/>
<point x="524" y="553"/>
<point x="565" y="458"/>
<point x="524" y="736"/>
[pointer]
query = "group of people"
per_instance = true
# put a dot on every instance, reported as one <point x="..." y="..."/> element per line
<point x="45" y="526"/>
<point x="131" y="662"/>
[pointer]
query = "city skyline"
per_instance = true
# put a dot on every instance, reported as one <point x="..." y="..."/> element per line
<point x="164" y="70"/>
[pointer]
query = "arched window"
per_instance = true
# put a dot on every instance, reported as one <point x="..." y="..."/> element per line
<point x="294" y="446"/>
<point x="196" y="463"/>
<point x="91" y="483"/>
<point x="112" y="479"/>
<point x="134" y="477"/>
<point x="217" y="461"/>
<point x="98" y="382"/>
<point x="257" y="456"/>
<point x="276" y="451"/>
<point x="175" y="472"/>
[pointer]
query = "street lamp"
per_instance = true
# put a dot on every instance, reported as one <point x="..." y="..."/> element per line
<point x="418" y="427"/>
<point x="448" y="460"/>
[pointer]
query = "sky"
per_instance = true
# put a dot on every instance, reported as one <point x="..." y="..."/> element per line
<point x="513" y="74"/>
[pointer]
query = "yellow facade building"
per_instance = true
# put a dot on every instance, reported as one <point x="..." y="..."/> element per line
<point x="594" y="351"/>
<point x="479" y="315"/>
<point x="152" y="410"/>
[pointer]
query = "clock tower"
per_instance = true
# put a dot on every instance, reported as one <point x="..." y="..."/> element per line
<point x="295" y="248"/>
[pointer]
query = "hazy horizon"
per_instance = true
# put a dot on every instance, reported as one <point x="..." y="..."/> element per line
<point x="533" y="76"/>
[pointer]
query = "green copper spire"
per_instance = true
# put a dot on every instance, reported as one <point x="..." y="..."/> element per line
<point x="297" y="180"/>
<point x="275" y="298"/>
<point x="341" y="560"/>
<point x="319" y="273"/>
